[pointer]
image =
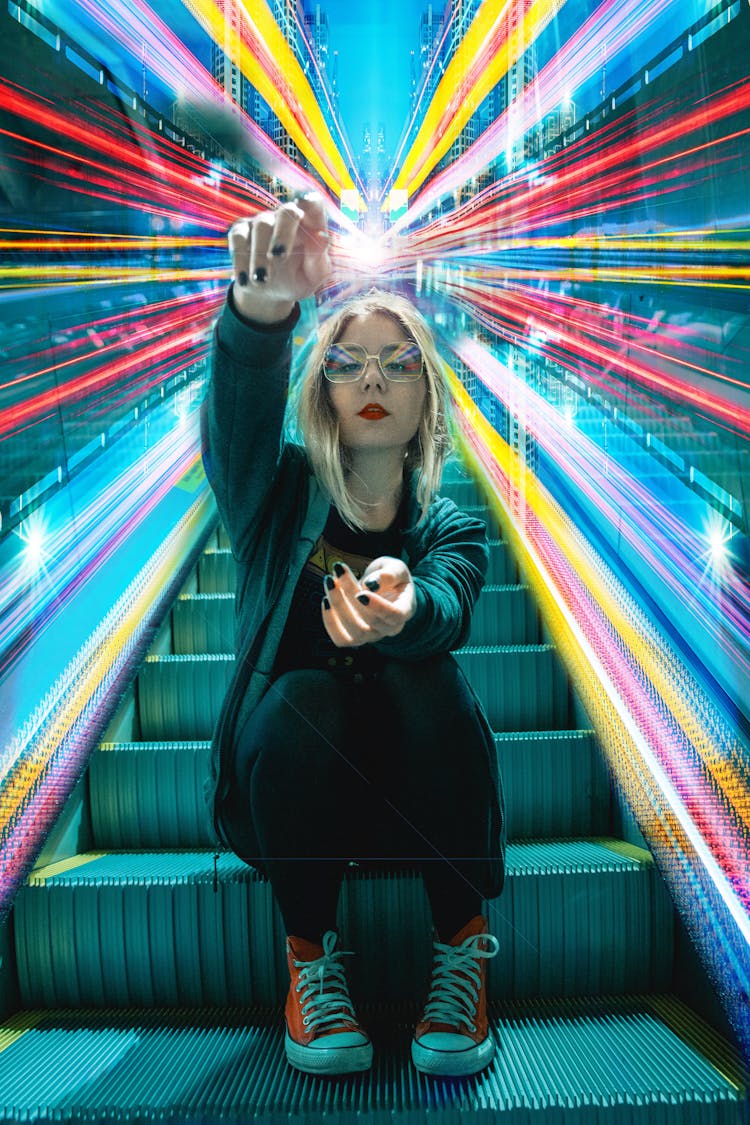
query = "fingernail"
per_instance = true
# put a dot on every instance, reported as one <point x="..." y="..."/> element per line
<point x="338" y="569"/>
<point x="260" y="275"/>
<point x="279" y="251"/>
<point x="328" y="582"/>
<point x="363" y="598"/>
<point x="242" y="278"/>
<point x="326" y="603"/>
<point x="372" y="584"/>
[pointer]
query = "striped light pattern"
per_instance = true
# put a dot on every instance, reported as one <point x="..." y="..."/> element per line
<point x="262" y="53"/>
<point x="39" y="768"/>
<point x="611" y="27"/>
<point x="490" y="47"/>
<point x="674" y="756"/>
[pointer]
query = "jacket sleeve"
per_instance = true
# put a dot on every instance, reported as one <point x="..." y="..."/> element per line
<point x="448" y="578"/>
<point x="242" y="417"/>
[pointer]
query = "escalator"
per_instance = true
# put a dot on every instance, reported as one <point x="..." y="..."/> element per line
<point x="152" y="970"/>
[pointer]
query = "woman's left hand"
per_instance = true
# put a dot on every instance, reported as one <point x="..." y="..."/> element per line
<point x="359" y="615"/>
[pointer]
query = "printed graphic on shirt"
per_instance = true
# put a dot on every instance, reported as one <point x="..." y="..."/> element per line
<point x="323" y="557"/>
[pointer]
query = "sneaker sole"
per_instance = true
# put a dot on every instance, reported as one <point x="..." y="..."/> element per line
<point x="327" y="1060"/>
<point x="452" y="1064"/>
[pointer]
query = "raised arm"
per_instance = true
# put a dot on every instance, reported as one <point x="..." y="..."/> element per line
<point x="242" y="415"/>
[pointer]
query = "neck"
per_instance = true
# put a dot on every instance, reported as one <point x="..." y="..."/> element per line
<point x="377" y="480"/>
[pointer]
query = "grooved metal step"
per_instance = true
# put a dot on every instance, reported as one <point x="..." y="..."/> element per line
<point x="206" y="622"/>
<point x="575" y="917"/>
<point x="523" y="687"/>
<point x="556" y="783"/>
<point x="150" y="794"/>
<point x="217" y="568"/>
<point x="601" y="1061"/>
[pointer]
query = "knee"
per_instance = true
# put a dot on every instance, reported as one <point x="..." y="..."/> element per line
<point x="296" y="726"/>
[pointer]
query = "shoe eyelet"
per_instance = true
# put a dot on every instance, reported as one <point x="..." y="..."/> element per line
<point x="304" y="1020"/>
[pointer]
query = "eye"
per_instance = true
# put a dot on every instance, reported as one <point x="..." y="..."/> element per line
<point x="402" y="359"/>
<point x="341" y="360"/>
<point x="342" y="367"/>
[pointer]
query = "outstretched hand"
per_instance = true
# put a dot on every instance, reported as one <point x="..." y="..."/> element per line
<point x="366" y="611"/>
<point x="279" y="257"/>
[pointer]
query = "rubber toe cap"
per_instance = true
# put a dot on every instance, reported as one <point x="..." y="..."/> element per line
<point x="340" y="1039"/>
<point x="445" y="1041"/>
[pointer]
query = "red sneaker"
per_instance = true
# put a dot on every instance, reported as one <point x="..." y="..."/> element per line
<point x="323" y="1035"/>
<point x="452" y="1038"/>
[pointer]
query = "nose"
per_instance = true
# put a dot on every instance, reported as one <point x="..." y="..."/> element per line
<point x="372" y="374"/>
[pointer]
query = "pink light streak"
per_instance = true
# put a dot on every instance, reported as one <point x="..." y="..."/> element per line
<point x="614" y="23"/>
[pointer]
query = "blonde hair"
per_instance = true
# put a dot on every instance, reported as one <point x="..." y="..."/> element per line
<point x="328" y="458"/>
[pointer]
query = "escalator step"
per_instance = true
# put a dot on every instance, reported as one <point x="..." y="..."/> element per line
<point x="523" y="687"/>
<point x="206" y="622"/>
<point x="502" y="569"/>
<point x="602" y="1061"/>
<point x="217" y="571"/>
<point x="464" y="493"/>
<point x="151" y="794"/>
<point x="505" y="615"/>
<point x="179" y="697"/>
<point x="575" y="918"/>
<point x="556" y="784"/>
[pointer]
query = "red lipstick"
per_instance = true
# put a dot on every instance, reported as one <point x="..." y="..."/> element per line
<point x="373" y="410"/>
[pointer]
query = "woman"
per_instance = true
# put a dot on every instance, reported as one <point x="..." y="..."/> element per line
<point x="338" y="739"/>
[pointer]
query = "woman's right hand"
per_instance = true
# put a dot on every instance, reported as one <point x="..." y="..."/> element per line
<point x="279" y="257"/>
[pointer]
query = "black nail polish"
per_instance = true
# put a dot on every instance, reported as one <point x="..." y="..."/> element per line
<point x="326" y="603"/>
<point x="279" y="251"/>
<point x="372" y="584"/>
<point x="363" y="598"/>
<point x="260" y="275"/>
<point x="242" y="278"/>
<point x="329" y="583"/>
<point x="338" y="570"/>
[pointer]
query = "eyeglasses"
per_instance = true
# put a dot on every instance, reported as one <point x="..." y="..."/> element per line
<point x="400" y="363"/>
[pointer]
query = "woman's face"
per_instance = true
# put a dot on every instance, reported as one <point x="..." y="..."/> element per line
<point x="404" y="402"/>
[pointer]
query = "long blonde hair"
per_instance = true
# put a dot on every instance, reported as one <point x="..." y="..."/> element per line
<point x="316" y="418"/>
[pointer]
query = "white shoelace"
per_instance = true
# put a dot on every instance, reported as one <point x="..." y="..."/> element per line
<point x="324" y="989"/>
<point x="453" y="998"/>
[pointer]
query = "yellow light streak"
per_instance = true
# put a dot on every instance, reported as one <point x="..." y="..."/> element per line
<point x="666" y="274"/>
<point x="87" y="242"/>
<point x="25" y="277"/>
<point x="26" y="775"/>
<point x="312" y="136"/>
<point x="621" y="611"/>
<point x="601" y="243"/>
<point x="451" y="91"/>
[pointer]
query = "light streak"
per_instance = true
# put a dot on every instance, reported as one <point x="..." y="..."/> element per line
<point x="137" y="24"/>
<point x="263" y="55"/>
<point x="615" y="23"/>
<point x="692" y="811"/>
<point x="491" y="46"/>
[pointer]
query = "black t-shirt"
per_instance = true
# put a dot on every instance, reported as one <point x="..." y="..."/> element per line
<point x="305" y="642"/>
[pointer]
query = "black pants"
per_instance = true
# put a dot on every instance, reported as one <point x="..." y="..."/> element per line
<point x="393" y="767"/>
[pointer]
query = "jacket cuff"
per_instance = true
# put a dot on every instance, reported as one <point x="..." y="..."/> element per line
<point x="409" y="644"/>
<point x="260" y="343"/>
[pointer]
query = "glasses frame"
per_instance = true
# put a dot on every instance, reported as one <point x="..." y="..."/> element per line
<point x="366" y="359"/>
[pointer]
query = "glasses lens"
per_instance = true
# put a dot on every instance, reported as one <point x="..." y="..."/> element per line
<point x="343" y="362"/>
<point x="401" y="361"/>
